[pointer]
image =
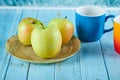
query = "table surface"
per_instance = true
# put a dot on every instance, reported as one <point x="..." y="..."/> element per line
<point x="94" y="61"/>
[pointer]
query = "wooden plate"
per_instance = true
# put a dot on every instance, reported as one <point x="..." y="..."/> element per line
<point x="26" y="53"/>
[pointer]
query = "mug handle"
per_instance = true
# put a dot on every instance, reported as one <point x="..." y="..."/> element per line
<point x="107" y="17"/>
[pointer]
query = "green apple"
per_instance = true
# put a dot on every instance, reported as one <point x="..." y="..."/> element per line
<point x="66" y="28"/>
<point x="25" y="28"/>
<point x="46" y="42"/>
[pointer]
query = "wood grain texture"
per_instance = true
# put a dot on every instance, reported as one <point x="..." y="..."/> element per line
<point x="16" y="67"/>
<point x="94" y="61"/>
<point x="17" y="49"/>
<point x="112" y="59"/>
<point x="47" y="15"/>
<point x="70" y="68"/>
<point x="54" y="3"/>
<point x="6" y="18"/>
<point x="51" y="70"/>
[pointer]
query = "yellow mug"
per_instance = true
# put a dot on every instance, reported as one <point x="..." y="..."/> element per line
<point x="117" y="34"/>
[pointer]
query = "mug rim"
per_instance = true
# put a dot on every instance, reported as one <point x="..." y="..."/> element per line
<point x="117" y="19"/>
<point x="99" y="11"/>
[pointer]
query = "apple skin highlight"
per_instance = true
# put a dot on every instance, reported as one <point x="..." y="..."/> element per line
<point x="25" y="29"/>
<point x="66" y="28"/>
<point x="46" y="42"/>
<point x="25" y="34"/>
<point x="117" y="37"/>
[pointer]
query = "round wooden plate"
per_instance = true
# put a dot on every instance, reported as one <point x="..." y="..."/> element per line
<point x="26" y="53"/>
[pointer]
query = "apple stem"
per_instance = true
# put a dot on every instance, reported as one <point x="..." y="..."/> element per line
<point x="42" y="25"/>
<point x="32" y="21"/>
<point x="65" y="17"/>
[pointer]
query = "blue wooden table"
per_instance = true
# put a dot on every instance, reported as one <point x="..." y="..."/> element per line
<point x="94" y="61"/>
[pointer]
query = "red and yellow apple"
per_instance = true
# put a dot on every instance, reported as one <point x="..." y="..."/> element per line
<point x="25" y="29"/>
<point x="66" y="28"/>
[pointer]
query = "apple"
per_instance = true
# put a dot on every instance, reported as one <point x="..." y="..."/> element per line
<point x="46" y="42"/>
<point x="66" y="28"/>
<point x="25" y="28"/>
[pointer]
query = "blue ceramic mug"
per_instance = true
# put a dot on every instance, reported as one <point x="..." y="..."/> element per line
<point x="90" y="21"/>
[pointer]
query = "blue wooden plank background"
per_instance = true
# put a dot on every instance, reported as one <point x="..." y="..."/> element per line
<point x="59" y="3"/>
<point x="23" y="66"/>
<point x="112" y="59"/>
<point x="6" y="27"/>
<point x="94" y="61"/>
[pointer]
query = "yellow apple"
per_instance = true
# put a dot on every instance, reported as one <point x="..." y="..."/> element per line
<point x="46" y="42"/>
